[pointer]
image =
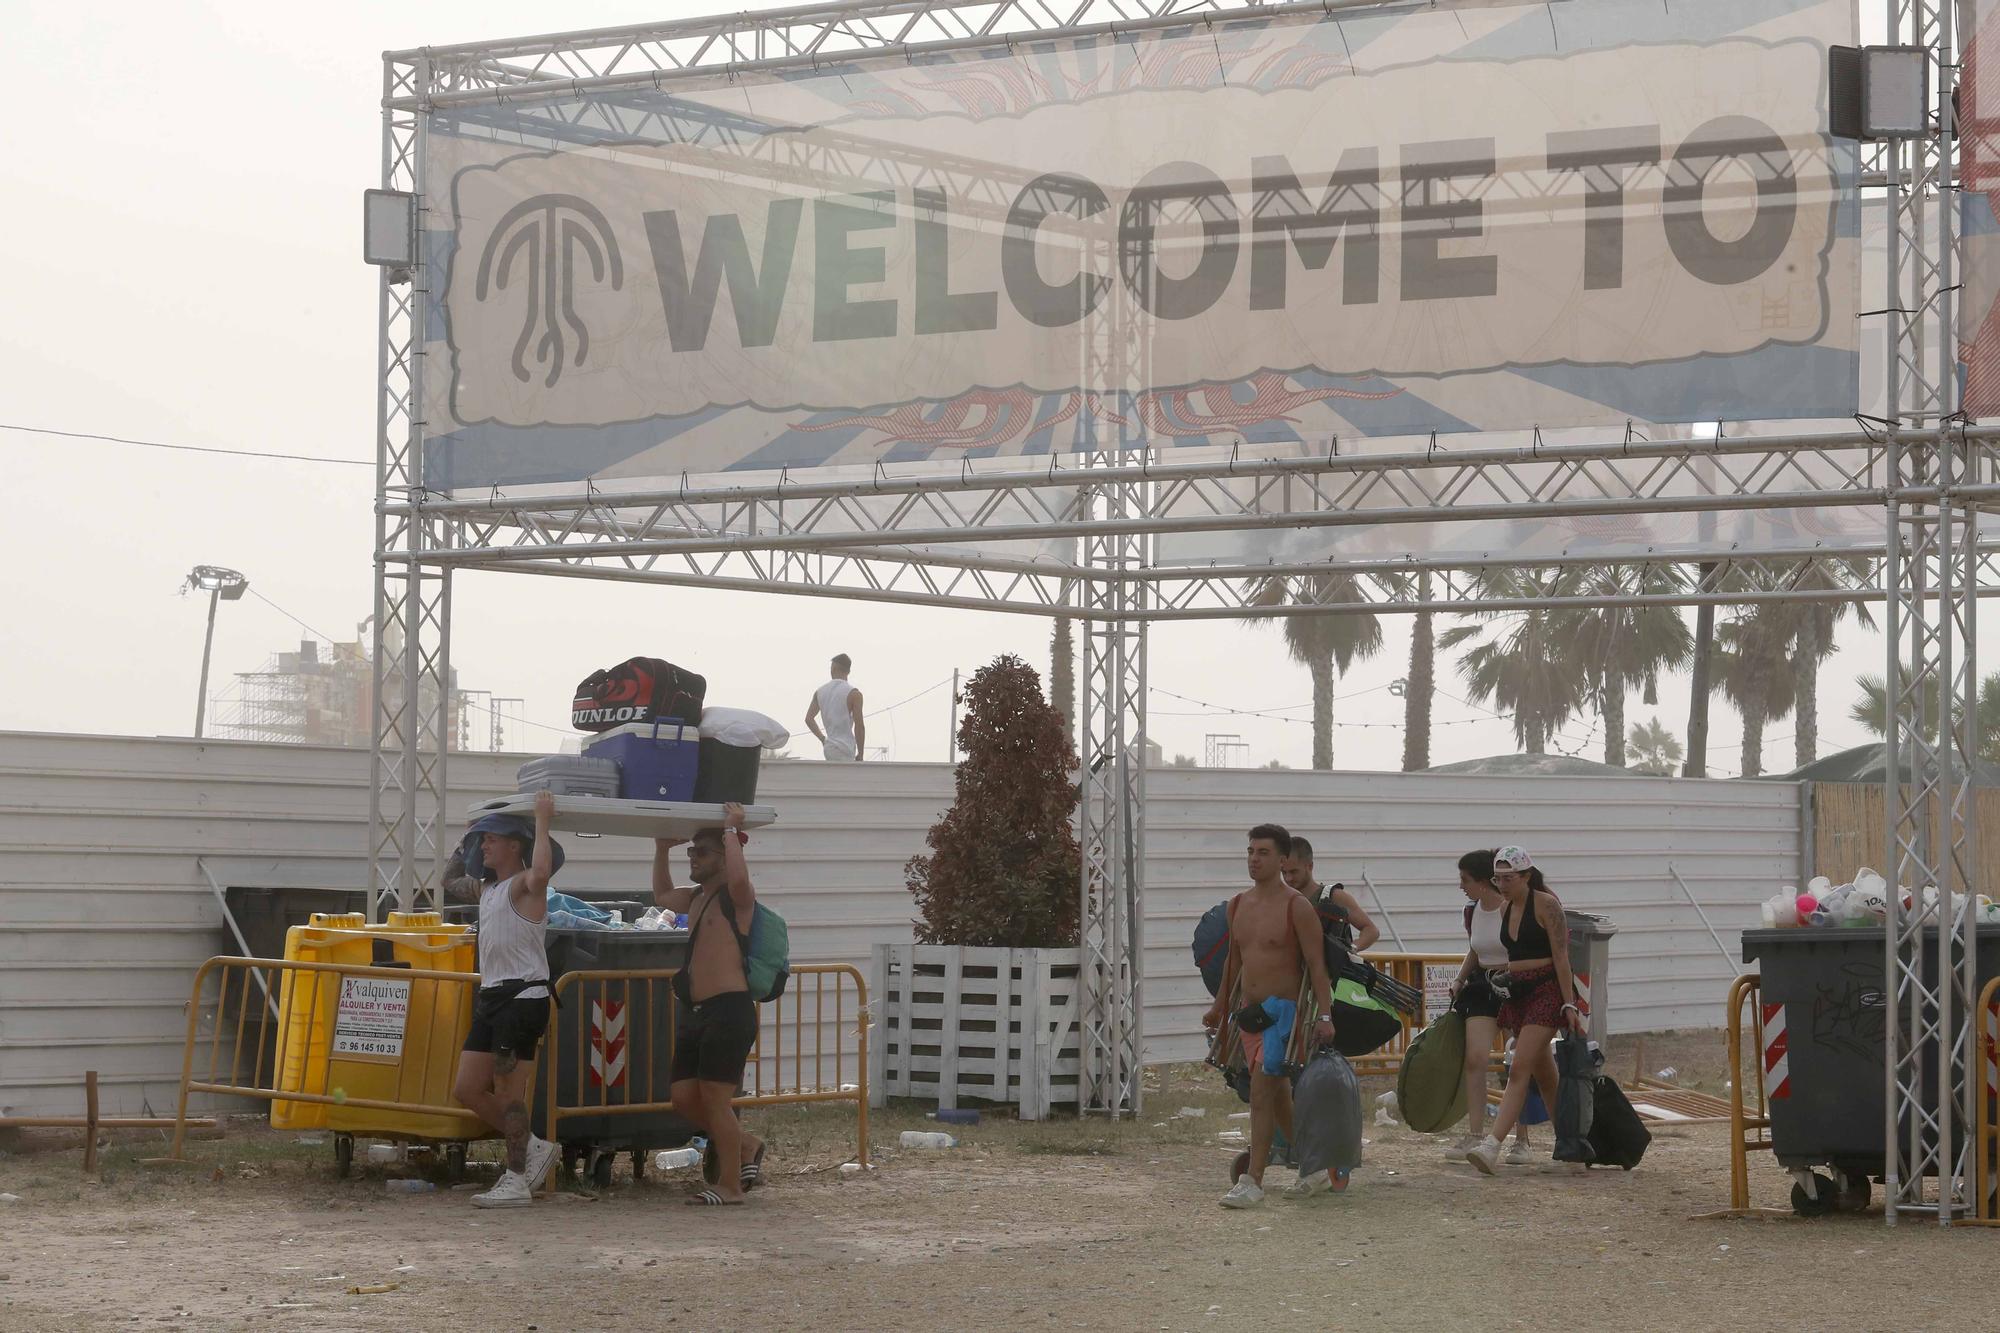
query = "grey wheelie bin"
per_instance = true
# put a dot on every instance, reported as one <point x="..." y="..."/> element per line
<point x="616" y="1048"/>
<point x="1832" y="1002"/>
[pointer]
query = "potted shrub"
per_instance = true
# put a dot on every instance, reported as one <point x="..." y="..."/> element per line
<point x="984" y="1004"/>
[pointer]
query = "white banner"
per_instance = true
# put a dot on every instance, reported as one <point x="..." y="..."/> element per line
<point x="1495" y="217"/>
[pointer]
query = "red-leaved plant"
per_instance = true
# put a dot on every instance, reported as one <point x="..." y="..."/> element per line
<point x="1003" y="865"/>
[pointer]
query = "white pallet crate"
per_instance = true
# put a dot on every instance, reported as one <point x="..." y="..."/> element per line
<point x="991" y="1024"/>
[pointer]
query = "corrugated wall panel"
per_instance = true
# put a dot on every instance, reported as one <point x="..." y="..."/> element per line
<point x="106" y="915"/>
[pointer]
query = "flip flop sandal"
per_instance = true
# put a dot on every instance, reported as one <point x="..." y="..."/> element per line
<point x="752" y="1174"/>
<point x="710" y="1199"/>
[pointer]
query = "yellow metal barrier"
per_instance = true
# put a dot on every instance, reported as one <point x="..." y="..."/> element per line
<point x="248" y="1043"/>
<point x="1747" y="1133"/>
<point x="1408" y="968"/>
<point x="1986" y="1208"/>
<point x="794" y="1032"/>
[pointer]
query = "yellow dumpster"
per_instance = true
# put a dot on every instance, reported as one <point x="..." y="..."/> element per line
<point x="399" y="1039"/>
<point x="307" y="1002"/>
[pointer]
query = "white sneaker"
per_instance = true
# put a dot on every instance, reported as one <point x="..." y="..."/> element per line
<point x="1245" y="1193"/>
<point x="1521" y="1154"/>
<point x="1486" y="1156"/>
<point x="541" y="1156"/>
<point x="512" y="1191"/>
<point x="1308" y="1185"/>
<point x="1459" y="1147"/>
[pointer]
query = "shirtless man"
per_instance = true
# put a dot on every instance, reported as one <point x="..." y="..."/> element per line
<point x="1274" y="944"/>
<point x="1334" y="901"/>
<point x="715" y="1018"/>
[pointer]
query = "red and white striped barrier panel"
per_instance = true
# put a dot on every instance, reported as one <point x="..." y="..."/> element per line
<point x="1777" y="1062"/>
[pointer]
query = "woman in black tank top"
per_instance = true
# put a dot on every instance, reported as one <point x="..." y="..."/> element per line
<point x="1542" y="994"/>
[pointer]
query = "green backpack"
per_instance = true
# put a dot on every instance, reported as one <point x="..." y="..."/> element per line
<point x="767" y="963"/>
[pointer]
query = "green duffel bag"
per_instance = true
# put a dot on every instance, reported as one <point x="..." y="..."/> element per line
<point x="1430" y="1087"/>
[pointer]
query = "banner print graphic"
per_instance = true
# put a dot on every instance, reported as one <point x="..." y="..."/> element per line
<point x="1264" y="232"/>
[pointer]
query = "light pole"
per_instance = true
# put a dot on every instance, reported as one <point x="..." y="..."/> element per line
<point x="225" y="585"/>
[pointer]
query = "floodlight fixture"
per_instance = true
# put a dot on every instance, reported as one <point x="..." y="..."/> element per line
<point x="1879" y="93"/>
<point x="389" y="231"/>
<point x="221" y="585"/>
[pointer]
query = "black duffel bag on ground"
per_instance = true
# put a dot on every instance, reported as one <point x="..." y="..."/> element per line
<point x="1576" y="1100"/>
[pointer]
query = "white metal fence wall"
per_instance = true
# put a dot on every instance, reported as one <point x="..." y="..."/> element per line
<point x="104" y="914"/>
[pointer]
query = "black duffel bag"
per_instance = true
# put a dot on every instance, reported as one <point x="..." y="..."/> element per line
<point x="639" y="689"/>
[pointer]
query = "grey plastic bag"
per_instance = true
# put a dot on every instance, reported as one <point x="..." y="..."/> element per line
<point x="1326" y="1115"/>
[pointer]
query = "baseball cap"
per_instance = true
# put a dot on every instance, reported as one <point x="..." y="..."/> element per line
<point x="1512" y="858"/>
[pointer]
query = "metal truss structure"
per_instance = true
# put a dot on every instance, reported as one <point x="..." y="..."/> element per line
<point x="1932" y="577"/>
<point x="924" y="537"/>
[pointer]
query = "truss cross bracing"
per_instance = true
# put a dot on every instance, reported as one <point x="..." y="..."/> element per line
<point x="1103" y="534"/>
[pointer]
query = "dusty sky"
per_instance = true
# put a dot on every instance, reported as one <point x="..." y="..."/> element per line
<point x="184" y="235"/>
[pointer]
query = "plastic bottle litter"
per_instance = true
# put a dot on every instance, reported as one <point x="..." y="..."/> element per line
<point x="1383" y="1119"/>
<point x="676" y="1159"/>
<point x="916" y="1138"/>
<point x="1666" y="1074"/>
<point x="850" y="1168"/>
<point x="951" y="1115"/>
<point x="1191" y="1113"/>
<point x="382" y="1154"/>
<point x="1387" y="1099"/>
<point x="410" y="1187"/>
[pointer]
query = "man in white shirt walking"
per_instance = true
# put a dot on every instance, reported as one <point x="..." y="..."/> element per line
<point x="838" y="703"/>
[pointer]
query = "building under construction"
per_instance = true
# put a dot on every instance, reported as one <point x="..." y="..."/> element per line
<point x="322" y="694"/>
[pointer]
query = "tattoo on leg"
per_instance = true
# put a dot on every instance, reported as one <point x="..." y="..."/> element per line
<point x="515" y="1127"/>
<point x="505" y="1062"/>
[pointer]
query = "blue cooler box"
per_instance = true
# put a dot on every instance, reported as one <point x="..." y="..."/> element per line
<point x="657" y="761"/>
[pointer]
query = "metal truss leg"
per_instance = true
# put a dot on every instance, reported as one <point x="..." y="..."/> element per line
<point x="1931" y="579"/>
<point x="406" y="812"/>
<point x="1112" y="823"/>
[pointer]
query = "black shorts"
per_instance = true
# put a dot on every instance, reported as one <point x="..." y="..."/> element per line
<point x="712" y="1040"/>
<point x="507" y="1024"/>
<point x="1477" y="998"/>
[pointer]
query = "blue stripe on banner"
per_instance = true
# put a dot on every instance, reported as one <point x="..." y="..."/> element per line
<point x="494" y="455"/>
<point x="1770" y="382"/>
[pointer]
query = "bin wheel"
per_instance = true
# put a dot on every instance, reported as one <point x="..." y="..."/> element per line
<point x="454" y="1162"/>
<point x="343" y="1155"/>
<point x="1854" y="1198"/>
<point x="1239" y="1165"/>
<point x="638" y="1164"/>
<point x="1822" y="1200"/>
<point x="600" y="1170"/>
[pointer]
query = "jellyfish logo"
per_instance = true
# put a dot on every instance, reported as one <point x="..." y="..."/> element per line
<point x="547" y="233"/>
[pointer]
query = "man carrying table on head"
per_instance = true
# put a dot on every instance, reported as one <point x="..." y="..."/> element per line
<point x="715" y="1018"/>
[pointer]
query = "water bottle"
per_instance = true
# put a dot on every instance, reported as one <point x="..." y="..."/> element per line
<point x="916" y="1138"/>
<point x="677" y="1159"/>
<point x="954" y="1116"/>
<point x="410" y="1187"/>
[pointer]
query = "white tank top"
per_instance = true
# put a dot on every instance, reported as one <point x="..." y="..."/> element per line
<point x="1486" y="943"/>
<point x="839" y="727"/>
<point x="511" y="947"/>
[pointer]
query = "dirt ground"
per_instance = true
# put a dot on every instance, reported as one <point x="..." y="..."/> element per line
<point x="1061" y="1225"/>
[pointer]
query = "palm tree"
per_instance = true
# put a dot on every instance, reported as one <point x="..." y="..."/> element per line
<point x="1812" y="637"/>
<point x="1752" y="668"/>
<point x="1701" y="682"/>
<point x="1062" y="675"/>
<point x="1627" y="646"/>
<point x="1420" y="686"/>
<point x="1525" y="668"/>
<point x="1325" y="643"/>
<point x="1872" y="711"/>
<point x="1656" y="749"/>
